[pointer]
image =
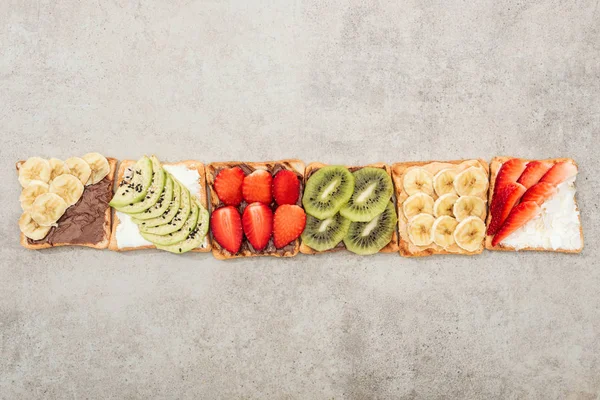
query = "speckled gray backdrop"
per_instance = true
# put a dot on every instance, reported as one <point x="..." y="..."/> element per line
<point x="333" y="81"/>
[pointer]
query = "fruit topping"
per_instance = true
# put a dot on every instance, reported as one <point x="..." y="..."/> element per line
<point x="502" y="203"/>
<point x="444" y="205"/>
<point x="286" y="187"/>
<point x="326" y="192"/>
<point x="419" y="229"/>
<point x="80" y="168"/>
<point x="533" y="173"/>
<point x="418" y="203"/>
<point x="228" y="185"/>
<point x="469" y="206"/>
<point x="559" y="173"/>
<point x="68" y="187"/>
<point x="469" y="233"/>
<point x="372" y="192"/>
<point x="257" y="187"/>
<point x="226" y="226"/>
<point x="371" y="236"/>
<point x="539" y="193"/>
<point x="257" y="222"/>
<point x="519" y="216"/>
<point x="473" y="181"/>
<point x="35" y="168"/>
<point x="509" y="172"/>
<point x="289" y="222"/>
<point x="99" y="167"/>
<point x="442" y="231"/>
<point x="418" y="180"/>
<point x="443" y="181"/>
<point x="324" y="234"/>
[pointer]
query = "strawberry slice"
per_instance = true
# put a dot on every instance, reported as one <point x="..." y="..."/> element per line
<point x="502" y="204"/>
<point x="288" y="225"/>
<point x="228" y="185"/>
<point x="258" y="224"/>
<point x="539" y="192"/>
<point x="518" y="217"/>
<point x="509" y="172"/>
<point x="226" y="227"/>
<point x="559" y="173"/>
<point x="533" y="173"/>
<point x="286" y="187"/>
<point x="257" y="187"/>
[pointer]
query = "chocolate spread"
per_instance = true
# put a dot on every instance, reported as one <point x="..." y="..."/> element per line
<point x="84" y="221"/>
<point x="270" y="248"/>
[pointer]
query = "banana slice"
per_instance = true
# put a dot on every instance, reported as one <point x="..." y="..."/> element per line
<point x="469" y="233"/>
<point x="32" y="229"/>
<point x="444" y="204"/>
<point x="57" y="168"/>
<point x="442" y="231"/>
<point x="35" y="168"/>
<point x="68" y="187"/>
<point x="416" y="204"/>
<point x="79" y="168"/>
<point x="419" y="229"/>
<point x="47" y="209"/>
<point x="443" y="181"/>
<point x="418" y="180"/>
<point x="99" y="165"/>
<point x="469" y="206"/>
<point x="30" y="192"/>
<point x="472" y="181"/>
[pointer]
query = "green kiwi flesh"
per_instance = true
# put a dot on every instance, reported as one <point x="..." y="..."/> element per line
<point x="372" y="192"/>
<point x="325" y="234"/>
<point x="327" y="190"/>
<point x="369" y="237"/>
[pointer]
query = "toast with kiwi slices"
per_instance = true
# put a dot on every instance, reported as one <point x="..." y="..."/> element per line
<point x="229" y="238"/>
<point x="87" y="219"/>
<point x="349" y="208"/>
<point x="439" y="202"/>
<point x="166" y="207"/>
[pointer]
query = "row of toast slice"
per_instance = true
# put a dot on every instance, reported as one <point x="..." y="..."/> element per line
<point x="399" y="243"/>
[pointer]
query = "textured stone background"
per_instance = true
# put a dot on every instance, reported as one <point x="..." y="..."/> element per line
<point x="338" y="81"/>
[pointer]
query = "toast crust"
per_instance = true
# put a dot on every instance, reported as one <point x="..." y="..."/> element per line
<point x="107" y="220"/>
<point x="494" y="169"/>
<point x="391" y="247"/>
<point x="407" y="249"/>
<point x="213" y="169"/>
<point x="190" y="164"/>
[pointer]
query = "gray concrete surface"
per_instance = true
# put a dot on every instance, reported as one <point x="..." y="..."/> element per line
<point x="341" y="82"/>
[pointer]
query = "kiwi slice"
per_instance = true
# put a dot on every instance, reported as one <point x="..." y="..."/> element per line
<point x="372" y="192"/>
<point x="135" y="186"/>
<point x="177" y="222"/>
<point x="168" y="215"/>
<point x="324" y="234"/>
<point x="327" y="190"/>
<point x="177" y="236"/>
<point x="154" y="191"/>
<point x="194" y="239"/>
<point x="369" y="237"/>
<point x="161" y="205"/>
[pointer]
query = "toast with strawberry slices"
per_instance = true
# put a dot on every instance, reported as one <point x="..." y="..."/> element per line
<point x="517" y="195"/>
<point x="226" y="225"/>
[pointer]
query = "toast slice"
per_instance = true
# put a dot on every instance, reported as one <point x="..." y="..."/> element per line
<point x="494" y="169"/>
<point x="189" y="164"/>
<point x="273" y="167"/>
<point x="391" y="247"/>
<point x="407" y="249"/>
<point x="102" y="244"/>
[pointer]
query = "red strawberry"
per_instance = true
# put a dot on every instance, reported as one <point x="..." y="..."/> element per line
<point x="518" y="217"/>
<point x="258" y="224"/>
<point x="257" y="187"/>
<point x="560" y="172"/>
<point x="226" y="227"/>
<point x="509" y="172"/>
<point x="289" y="224"/>
<point x="286" y="187"/>
<point x="533" y="173"/>
<point x="228" y="185"/>
<point x="502" y="204"/>
<point x="539" y="193"/>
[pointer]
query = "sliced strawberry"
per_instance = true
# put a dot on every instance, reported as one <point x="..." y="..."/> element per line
<point x="502" y="204"/>
<point x="228" y="185"/>
<point x="539" y="192"/>
<point x="257" y="187"/>
<point x="533" y="173"/>
<point x="258" y="224"/>
<point x="518" y="217"/>
<point x="288" y="225"/>
<point x="286" y="187"/>
<point x="559" y="173"/>
<point x="509" y="172"/>
<point x="226" y="226"/>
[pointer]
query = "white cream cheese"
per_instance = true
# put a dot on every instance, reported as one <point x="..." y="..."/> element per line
<point x="128" y="234"/>
<point x="556" y="227"/>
